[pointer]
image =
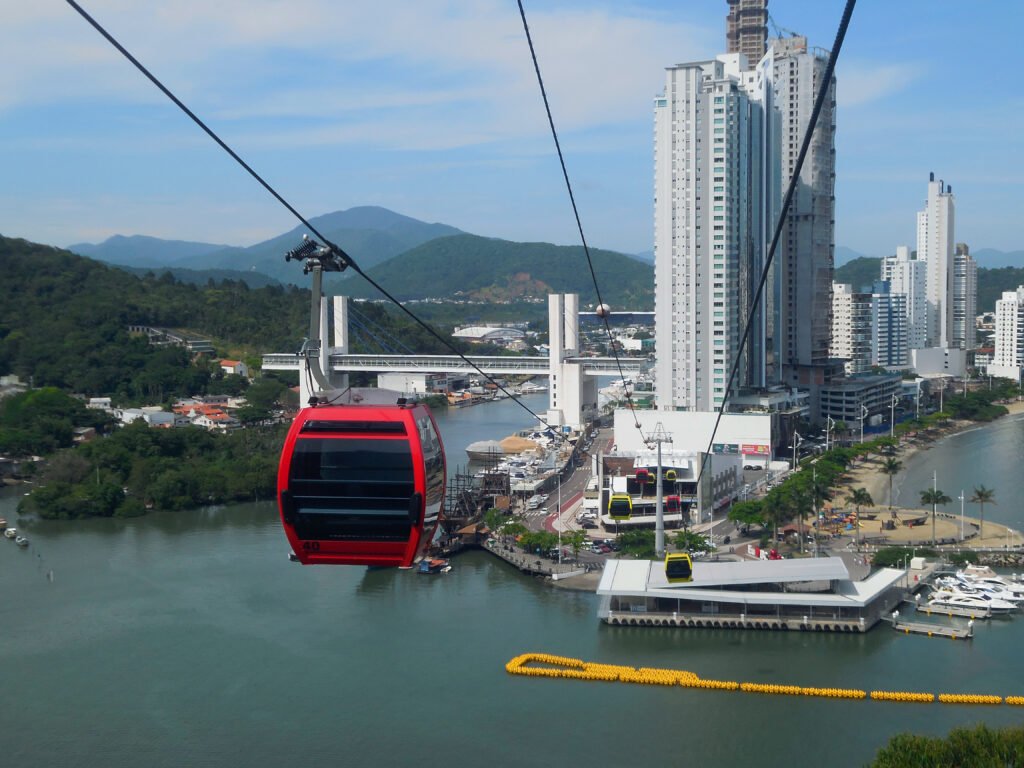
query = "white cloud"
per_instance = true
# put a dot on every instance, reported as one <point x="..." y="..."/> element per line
<point x="465" y="65"/>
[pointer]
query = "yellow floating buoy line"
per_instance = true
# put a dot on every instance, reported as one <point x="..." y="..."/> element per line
<point x="575" y="669"/>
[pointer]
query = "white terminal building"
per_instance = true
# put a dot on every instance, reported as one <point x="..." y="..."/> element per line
<point x="816" y="595"/>
<point x="698" y="480"/>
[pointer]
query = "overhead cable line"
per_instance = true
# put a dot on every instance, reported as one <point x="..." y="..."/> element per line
<point x="601" y="312"/>
<point x="819" y="101"/>
<point x="341" y="259"/>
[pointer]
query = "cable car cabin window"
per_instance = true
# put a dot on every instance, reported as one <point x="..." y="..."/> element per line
<point x="433" y="465"/>
<point x="352" y="488"/>
<point x="620" y="507"/>
<point x="678" y="568"/>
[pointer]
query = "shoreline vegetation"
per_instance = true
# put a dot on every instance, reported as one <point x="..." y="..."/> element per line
<point x="868" y="475"/>
<point x="851" y="485"/>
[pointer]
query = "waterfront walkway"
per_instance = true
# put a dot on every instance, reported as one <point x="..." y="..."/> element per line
<point x="535" y="565"/>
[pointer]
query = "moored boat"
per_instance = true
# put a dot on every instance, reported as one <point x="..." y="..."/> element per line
<point x="434" y="565"/>
<point x="979" y="601"/>
<point x="485" y="450"/>
<point x="10" y="533"/>
<point x="21" y="541"/>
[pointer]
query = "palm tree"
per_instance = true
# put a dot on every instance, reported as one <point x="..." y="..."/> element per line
<point x="860" y="497"/>
<point x="774" y="507"/>
<point x="891" y="467"/>
<point x="839" y="428"/>
<point x="983" y="496"/>
<point x="933" y="497"/>
<point x="798" y="500"/>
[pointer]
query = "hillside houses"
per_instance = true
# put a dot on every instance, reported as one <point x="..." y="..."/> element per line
<point x="211" y="412"/>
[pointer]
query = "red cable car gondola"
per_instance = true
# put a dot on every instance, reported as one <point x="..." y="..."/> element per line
<point x="361" y="484"/>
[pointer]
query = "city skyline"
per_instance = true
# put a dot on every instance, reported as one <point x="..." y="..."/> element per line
<point x="436" y="114"/>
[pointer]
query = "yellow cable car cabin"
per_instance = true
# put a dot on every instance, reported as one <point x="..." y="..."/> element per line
<point x="670" y="475"/>
<point x="620" y="506"/>
<point x="678" y="568"/>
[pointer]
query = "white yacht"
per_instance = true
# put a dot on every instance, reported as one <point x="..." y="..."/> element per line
<point x="11" y="533"/>
<point x="995" y="590"/>
<point x="982" y="574"/>
<point x="944" y="596"/>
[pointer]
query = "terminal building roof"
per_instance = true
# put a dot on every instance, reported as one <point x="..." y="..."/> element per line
<point x="729" y="582"/>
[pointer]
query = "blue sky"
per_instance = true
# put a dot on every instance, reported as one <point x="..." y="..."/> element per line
<point x="432" y="109"/>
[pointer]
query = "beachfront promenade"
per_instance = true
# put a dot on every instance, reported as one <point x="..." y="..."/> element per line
<point x="914" y="524"/>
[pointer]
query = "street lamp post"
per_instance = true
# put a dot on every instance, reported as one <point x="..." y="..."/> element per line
<point x="814" y="505"/>
<point x="961" y="515"/>
<point x="829" y="423"/>
<point x="558" y="517"/>
<point x="796" y="443"/>
<point x="863" y="415"/>
<point x="892" y="415"/>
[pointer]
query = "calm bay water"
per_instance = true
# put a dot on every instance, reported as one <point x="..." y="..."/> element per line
<point x="989" y="455"/>
<point x="189" y="639"/>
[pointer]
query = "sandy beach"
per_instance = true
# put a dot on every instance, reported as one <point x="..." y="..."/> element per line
<point x="866" y="474"/>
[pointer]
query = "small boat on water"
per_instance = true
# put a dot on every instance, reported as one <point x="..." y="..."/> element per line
<point x="10" y="533"/>
<point x="21" y="541"/>
<point x="434" y="565"/>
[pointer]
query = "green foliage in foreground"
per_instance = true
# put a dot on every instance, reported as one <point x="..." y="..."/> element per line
<point x="637" y="544"/>
<point x="139" y="468"/>
<point x="978" y="747"/>
<point x="892" y="557"/>
<point x="538" y="542"/>
<point x="964" y="557"/>
<point x="42" y="421"/>
<point x="692" y="542"/>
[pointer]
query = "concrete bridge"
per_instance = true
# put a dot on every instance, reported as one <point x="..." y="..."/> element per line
<point x="498" y="365"/>
<point x="572" y="388"/>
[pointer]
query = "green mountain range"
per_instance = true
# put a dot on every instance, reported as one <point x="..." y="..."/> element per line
<point x="481" y="269"/>
<point x="370" y="234"/>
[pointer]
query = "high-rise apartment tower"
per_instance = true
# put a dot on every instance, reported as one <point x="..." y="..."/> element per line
<point x="712" y="206"/>
<point x="745" y="28"/>
<point x="805" y="254"/>
<point x="906" y="276"/>
<point x="935" y="226"/>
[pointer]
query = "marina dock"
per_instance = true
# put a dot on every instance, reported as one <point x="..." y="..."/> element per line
<point x="951" y="611"/>
<point x="931" y="630"/>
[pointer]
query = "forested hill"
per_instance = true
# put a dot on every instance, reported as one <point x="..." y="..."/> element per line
<point x="488" y="269"/>
<point x="64" y="322"/>
<point x="860" y="273"/>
